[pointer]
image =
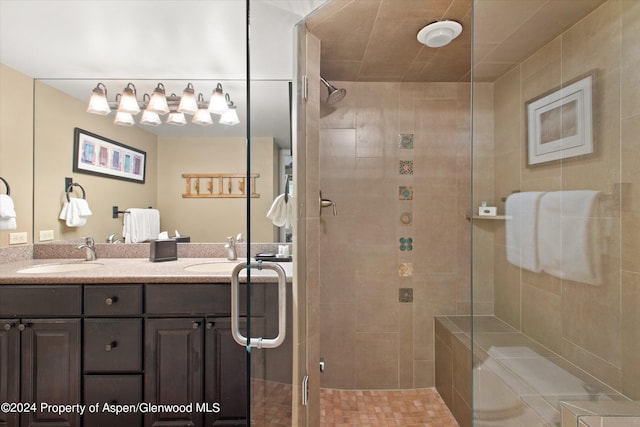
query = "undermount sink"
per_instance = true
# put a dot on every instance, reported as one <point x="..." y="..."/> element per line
<point x="60" y="267"/>
<point x="213" y="267"/>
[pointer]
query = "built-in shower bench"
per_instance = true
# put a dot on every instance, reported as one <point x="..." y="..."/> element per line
<point x="516" y="381"/>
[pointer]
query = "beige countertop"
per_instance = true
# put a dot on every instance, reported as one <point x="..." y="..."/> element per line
<point x="132" y="270"/>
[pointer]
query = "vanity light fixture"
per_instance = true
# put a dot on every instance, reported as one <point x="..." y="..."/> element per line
<point x="229" y="117"/>
<point x="176" y="118"/>
<point x="128" y="102"/>
<point x="149" y="117"/>
<point x="98" y="103"/>
<point x="202" y="116"/>
<point x="124" y="119"/>
<point x="159" y="104"/>
<point x="218" y="103"/>
<point x="188" y="103"/>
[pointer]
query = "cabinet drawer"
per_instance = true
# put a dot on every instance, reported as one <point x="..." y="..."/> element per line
<point x="112" y="389"/>
<point x="47" y="300"/>
<point x="188" y="299"/>
<point x="112" y="300"/>
<point x="112" y="345"/>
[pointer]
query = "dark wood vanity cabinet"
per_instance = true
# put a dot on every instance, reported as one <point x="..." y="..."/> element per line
<point x="121" y="344"/>
<point x="41" y="353"/>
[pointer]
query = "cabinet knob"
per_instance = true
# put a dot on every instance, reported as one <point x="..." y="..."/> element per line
<point x="110" y="346"/>
<point x="195" y="325"/>
<point x="111" y="300"/>
<point x="209" y="325"/>
<point x="22" y="326"/>
<point x="7" y="326"/>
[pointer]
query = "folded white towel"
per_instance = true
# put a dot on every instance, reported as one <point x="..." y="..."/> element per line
<point x="7" y="209"/>
<point x="521" y="229"/>
<point x="75" y="212"/>
<point x="140" y="225"/>
<point x="569" y="236"/>
<point x="282" y="212"/>
<point x="8" y="224"/>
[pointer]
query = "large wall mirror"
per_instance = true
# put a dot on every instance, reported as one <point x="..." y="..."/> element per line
<point x="202" y="43"/>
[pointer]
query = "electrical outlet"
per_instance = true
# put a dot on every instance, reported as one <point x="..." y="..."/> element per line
<point x="46" y="235"/>
<point x="17" y="238"/>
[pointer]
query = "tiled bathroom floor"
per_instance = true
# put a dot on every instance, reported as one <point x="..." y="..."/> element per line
<point x="378" y="408"/>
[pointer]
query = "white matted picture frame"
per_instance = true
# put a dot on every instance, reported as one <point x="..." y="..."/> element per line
<point x="96" y="155"/>
<point x="559" y="123"/>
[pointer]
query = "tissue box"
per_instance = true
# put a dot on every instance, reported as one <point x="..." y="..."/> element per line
<point x="182" y="239"/>
<point x="163" y="250"/>
<point x="487" y="211"/>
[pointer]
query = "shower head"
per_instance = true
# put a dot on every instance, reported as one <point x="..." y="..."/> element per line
<point x="335" y="95"/>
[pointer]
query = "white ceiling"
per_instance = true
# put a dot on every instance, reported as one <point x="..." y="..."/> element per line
<point x="202" y="41"/>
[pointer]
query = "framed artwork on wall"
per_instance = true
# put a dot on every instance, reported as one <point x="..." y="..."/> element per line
<point x="559" y="123"/>
<point x="97" y="155"/>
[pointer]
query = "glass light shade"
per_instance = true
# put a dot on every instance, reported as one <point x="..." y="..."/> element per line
<point x="230" y="117"/>
<point x="158" y="101"/>
<point x="150" y="118"/>
<point x="98" y="103"/>
<point x="128" y="102"/>
<point x="202" y="117"/>
<point x="124" y="119"/>
<point x="188" y="104"/>
<point x="218" y="104"/>
<point x="176" y="119"/>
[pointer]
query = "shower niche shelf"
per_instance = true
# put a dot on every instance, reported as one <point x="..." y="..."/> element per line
<point x="490" y="218"/>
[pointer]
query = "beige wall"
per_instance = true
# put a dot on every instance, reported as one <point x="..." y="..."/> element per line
<point x="16" y="146"/>
<point x="214" y="219"/>
<point x="595" y="327"/>
<point x="369" y="339"/>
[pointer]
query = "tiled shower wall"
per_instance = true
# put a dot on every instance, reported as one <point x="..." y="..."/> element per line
<point x="595" y="327"/>
<point x="395" y="157"/>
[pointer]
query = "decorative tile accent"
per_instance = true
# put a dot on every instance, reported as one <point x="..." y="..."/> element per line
<point x="406" y="244"/>
<point x="406" y="269"/>
<point x="405" y="140"/>
<point x="405" y="192"/>
<point x="405" y="295"/>
<point x="406" y="218"/>
<point x="406" y="167"/>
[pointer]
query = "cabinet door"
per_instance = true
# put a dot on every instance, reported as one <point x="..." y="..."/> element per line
<point x="225" y="373"/>
<point x="9" y="368"/>
<point x="173" y="369"/>
<point x="50" y="369"/>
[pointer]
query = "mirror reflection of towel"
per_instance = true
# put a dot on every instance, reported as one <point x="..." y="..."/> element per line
<point x="140" y="225"/>
<point x="75" y="212"/>
<point x="7" y="213"/>
<point x="282" y="211"/>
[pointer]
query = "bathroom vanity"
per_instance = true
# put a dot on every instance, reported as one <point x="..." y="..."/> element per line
<point x="128" y="332"/>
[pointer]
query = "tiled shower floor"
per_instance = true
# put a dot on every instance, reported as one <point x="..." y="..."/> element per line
<point x="378" y="408"/>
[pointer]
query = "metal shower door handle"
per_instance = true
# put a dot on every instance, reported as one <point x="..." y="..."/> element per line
<point x="259" y="342"/>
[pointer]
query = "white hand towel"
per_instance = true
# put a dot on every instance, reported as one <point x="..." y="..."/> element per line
<point x="7" y="209"/>
<point x="75" y="212"/>
<point x="569" y="236"/>
<point x="282" y="211"/>
<point x="141" y="225"/>
<point x="521" y="229"/>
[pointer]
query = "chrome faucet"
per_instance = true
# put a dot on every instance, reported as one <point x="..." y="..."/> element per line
<point x="232" y="255"/>
<point x="113" y="238"/>
<point x="90" y="249"/>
